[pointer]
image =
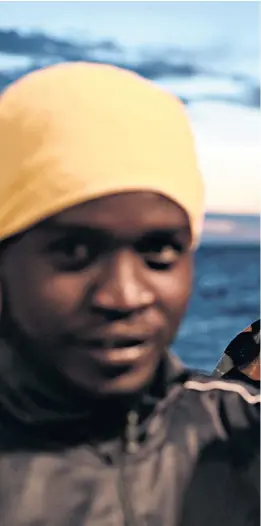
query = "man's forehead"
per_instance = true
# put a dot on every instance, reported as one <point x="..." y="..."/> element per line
<point x="122" y="213"/>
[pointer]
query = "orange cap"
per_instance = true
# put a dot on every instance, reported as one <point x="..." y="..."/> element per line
<point x="78" y="131"/>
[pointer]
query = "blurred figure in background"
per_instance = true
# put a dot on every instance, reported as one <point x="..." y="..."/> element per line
<point x="101" y="206"/>
<point x="241" y="359"/>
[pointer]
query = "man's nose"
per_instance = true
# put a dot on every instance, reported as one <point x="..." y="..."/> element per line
<point x="123" y="287"/>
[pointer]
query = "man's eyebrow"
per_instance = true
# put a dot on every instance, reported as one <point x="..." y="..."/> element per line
<point x="153" y="231"/>
<point x="72" y="228"/>
<point x="177" y="233"/>
<point x="168" y="231"/>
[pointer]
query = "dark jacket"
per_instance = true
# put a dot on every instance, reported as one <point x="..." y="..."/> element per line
<point x="187" y="456"/>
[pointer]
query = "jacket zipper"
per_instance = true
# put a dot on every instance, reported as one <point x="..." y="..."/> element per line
<point x="130" y="446"/>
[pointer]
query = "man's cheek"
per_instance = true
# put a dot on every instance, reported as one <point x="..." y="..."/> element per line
<point x="60" y="297"/>
<point x="176" y="293"/>
<point x="176" y="304"/>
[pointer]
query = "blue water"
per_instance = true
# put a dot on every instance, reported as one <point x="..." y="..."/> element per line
<point x="226" y="299"/>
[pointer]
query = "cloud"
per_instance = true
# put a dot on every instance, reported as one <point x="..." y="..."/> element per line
<point x="155" y="64"/>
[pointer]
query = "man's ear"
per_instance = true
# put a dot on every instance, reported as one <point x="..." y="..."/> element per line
<point x="1" y="283"/>
<point x="1" y="287"/>
<point x="3" y="266"/>
<point x="1" y="298"/>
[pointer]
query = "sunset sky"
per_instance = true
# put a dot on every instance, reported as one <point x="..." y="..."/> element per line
<point x="225" y="34"/>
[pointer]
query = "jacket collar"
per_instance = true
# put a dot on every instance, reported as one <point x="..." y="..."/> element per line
<point x="35" y="402"/>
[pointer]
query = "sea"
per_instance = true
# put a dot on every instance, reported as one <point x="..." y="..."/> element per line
<point x="225" y="300"/>
<point x="226" y="294"/>
<point x="208" y="54"/>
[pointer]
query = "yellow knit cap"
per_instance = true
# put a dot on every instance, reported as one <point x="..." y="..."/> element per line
<point x="78" y="131"/>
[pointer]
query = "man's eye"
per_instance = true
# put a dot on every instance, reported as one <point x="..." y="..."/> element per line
<point x="77" y="252"/>
<point x="71" y="255"/>
<point x="161" y="258"/>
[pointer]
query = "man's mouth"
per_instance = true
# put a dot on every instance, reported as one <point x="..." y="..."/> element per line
<point x="114" y="342"/>
<point x="117" y="351"/>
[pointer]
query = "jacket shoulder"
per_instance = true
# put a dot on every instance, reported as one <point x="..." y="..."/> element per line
<point x="210" y="384"/>
<point x="236" y="403"/>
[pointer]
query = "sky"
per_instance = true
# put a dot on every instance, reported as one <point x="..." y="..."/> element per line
<point x="221" y="38"/>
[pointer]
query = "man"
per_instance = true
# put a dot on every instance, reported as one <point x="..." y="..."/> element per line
<point x="101" y="203"/>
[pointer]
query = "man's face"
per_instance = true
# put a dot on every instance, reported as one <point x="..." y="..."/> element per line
<point x="99" y="290"/>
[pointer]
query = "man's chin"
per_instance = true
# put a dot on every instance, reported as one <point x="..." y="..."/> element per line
<point x="124" y="383"/>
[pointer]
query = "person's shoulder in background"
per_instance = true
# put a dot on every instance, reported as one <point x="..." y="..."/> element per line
<point x="241" y="358"/>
